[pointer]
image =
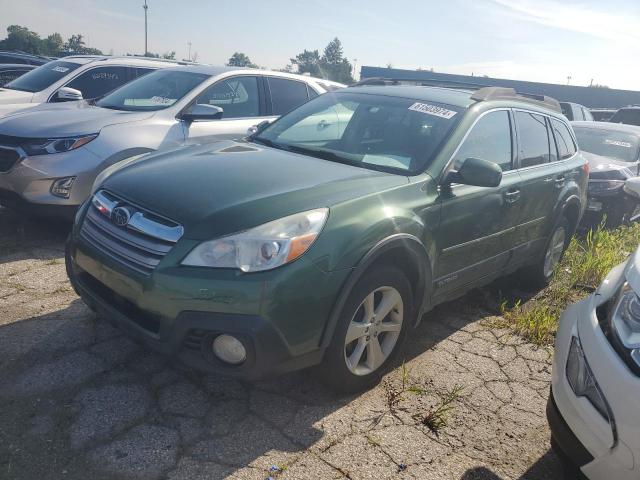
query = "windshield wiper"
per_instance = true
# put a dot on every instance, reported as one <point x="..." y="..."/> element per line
<point x="269" y="143"/>
<point x="323" y="154"/>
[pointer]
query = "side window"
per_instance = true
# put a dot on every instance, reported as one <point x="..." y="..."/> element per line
<point x="286" y="94"/>
<point x="579" y="113"/>
<point x="237" y="96"/>
<point x="96" y="82"/>
<point x="587" y="114"/>
<point x="564" y="140"/>
<point x="533" y="139"/>
<point x="490" y="139"/>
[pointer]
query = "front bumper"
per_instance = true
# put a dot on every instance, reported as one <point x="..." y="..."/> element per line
<point x="179" y="311"/>
<point x="609" y="447"/>
<point x="28" y="183"/>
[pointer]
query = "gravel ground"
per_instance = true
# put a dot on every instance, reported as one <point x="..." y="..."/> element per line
<point x="78" y="400"/>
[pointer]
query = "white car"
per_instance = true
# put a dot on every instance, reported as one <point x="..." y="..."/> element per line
<point x="74" y="78"/>
<point x="594" y="406"/>
<point x="51" y="155"/>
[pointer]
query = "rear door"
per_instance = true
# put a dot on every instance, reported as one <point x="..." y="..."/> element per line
<point x="97" y="82"/>
<point x="244" y="103"/>
<point x="543" y="178"/>
<point x="285" y="94"/>
<point x="477" y="223"/>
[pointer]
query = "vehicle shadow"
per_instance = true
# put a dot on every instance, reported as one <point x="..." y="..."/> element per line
<point x="548" y="467"/>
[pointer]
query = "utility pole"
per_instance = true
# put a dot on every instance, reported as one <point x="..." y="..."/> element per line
<point x="189" y="43"/>
<point x="355" y="68"/>
<point x="146" y="50"/>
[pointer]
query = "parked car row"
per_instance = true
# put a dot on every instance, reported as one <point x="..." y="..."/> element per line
<point x="250" y="222"/>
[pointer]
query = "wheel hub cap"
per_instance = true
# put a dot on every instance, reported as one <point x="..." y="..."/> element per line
<point x="373" y="331"/>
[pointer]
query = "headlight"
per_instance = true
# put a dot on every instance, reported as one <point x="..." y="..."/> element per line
<point x="264" y="247"/>
<point x="582" y="381"/>
<point x="625" y="320"/>
<point x="601" y="186"/>
<point x="57" y="145"/>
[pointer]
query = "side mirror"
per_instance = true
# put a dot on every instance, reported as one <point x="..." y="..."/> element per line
<point x="67" y="94"/>
<point x="256" y="129"/>
<point x="477" y="172"/>
<point x="632" y="187"/>
<point x="202" y="112"/>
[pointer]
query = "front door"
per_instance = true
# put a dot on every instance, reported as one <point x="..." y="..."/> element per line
<point x="477" y="223"/>
<point x="243" y="104"/>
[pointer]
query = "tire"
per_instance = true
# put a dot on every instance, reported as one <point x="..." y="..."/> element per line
<point x="541" y="274"/>
<point x="359" y="364"/>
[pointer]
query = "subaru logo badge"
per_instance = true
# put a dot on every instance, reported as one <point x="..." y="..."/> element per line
<point x="121" y="216"/>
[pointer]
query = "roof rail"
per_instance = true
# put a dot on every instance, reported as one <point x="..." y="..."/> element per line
<point x="503" y="93"/>
<point x="381" y="81"/>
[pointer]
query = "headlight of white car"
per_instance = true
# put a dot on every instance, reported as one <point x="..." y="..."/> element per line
<point x="264" y="247"/>
<point x="625" y="319"/>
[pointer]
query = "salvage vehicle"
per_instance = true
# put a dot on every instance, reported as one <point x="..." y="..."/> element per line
<point x="593" y="407"/>
<point x="613" y="152"/>
<point x="324" y="237"/>
<point x="74" y="78"/>
<point x="576" y="112"/>
<point x="11" y="71"/>
<point x="51" y="155"/>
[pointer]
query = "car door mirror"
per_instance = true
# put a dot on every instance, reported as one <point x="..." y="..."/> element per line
<point x="68" y="94"/>
<point x="202" y="112"/>
<point x="477" y="172"/>
<point x="256" y="129"/>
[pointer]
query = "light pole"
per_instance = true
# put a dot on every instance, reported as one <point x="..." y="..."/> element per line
<point x="355" y="70"/>
<point x="189" y="43"/>
<point x="146" y="50"/>
<point x="568" y="79"/>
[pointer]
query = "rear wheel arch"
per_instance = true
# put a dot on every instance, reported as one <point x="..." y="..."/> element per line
<point x="571" y="211"/>
<point x="404" y="251"/>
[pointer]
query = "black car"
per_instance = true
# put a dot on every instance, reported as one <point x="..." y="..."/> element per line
<point x="11" y="71"/>
<point x="627" y="115"/>
<point x="602" y="114"/>
<point x="23" y="58"/>
<point x="575" y="111"/>
<point x="613" y="152"/>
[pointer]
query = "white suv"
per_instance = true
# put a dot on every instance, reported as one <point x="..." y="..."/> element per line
<point x="74" y="78"/>
<point x="50" y="155"/>
<point x="594" y="406"/>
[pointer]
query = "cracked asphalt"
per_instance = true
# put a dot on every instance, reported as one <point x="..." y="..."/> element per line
<point x="79" y="400"/>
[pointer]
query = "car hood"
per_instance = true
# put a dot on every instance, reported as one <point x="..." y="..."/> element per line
<point x="11" y="108"/>
<point x="51" y="120"/>
<point x="8" y="95"/>
<point x="226" y="186"/>
<point x="601" y="167"/>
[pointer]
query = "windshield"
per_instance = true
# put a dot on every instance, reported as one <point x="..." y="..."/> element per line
<point x="398" y="135"/>
<point x="630" y="116"/>
<point x="45" y="75"/>
<point x="155" y="91"/>
<point x="619" y="145"/>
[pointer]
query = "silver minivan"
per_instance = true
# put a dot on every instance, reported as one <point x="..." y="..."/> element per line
<point x="50" y="155"/>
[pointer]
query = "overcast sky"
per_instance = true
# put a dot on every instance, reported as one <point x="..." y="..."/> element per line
<point x="539" y="40"/>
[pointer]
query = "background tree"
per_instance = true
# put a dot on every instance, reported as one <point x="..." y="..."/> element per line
<point x="53" y="44"/>
<point x="334" y="65"/>
<point x="239" y="59"/>
<point x="308" y="62"/>
<point x="22" y="39"/>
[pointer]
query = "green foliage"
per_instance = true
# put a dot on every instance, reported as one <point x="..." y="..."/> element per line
<point x="22" y="39"/>
<point x="438" y="416"/>
<point x="239" y="59"/>
<point x="585" y="264"/>
<point x="331" y="65"/>
<point x="166" y="55"/>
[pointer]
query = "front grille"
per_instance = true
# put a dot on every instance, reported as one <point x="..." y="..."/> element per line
<point x="139" y="244"/>
<point x="8" y="158"/>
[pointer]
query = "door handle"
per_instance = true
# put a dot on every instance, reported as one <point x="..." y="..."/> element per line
<point x="512" y="196"/>
<point x="548" y="179"/>
<point x="560" y="181"/>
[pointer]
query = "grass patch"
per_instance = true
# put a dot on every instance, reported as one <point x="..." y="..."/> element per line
<point x="585" y="264"/>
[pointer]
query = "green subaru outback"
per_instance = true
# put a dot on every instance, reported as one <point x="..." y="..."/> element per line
<point x="322" y="238"/>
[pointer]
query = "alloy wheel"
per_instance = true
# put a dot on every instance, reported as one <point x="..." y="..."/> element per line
<point x="554" y="251"/>
<point x="373" y="331"/>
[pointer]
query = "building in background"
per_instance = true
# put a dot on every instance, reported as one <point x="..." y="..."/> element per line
<point x="592" y="97"/>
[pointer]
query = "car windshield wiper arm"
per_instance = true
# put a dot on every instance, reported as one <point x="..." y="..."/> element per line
<point x="323" y="154"/>
<point x="270" y="143"/>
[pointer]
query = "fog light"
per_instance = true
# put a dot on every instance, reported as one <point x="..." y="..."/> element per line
<point x="62" y="187"/>
<point x="229" y="349"/>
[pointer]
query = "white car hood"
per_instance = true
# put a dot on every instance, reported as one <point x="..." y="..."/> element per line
<point x="12" y="108"/>
<point x="8" y="96"/>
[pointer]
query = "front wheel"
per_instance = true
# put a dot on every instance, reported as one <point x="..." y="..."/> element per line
<point x="370" y="331"/>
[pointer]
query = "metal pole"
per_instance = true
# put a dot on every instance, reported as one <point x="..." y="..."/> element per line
<point x="146" y="50"/>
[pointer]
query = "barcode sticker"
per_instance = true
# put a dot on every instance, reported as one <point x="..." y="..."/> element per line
<point x="432" y="110"/>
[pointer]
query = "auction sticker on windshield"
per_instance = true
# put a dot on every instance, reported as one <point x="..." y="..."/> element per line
<point x="432" y="110"/>
<point x="617" y="143"/>
<point x="60" y="69"/>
